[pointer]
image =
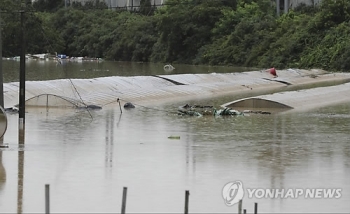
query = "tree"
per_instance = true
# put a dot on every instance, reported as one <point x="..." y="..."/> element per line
<point x="184" y="26"/>
<point x="48" y="5"/>
<point x="146" y="8"/>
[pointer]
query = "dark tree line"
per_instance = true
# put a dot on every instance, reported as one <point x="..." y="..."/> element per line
<point x="215" y="32"/>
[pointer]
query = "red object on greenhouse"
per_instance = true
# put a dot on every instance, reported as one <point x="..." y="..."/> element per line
<point x="273" y="72"/>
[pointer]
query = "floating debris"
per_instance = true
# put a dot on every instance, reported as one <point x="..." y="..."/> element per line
<point x="91" y="107"/>
<point x="12" y="110"/>
<point x="4" y="146"/>
<point x="168" y="67"/>
<point x="196" y="106"/>
<point x="174" y="137"/>
<point x="255" y="112"/>
<point x="190" y="113"/>
<point x="226" y="112"/>
<point x="129" y="105"/>
<point x="199" y="110"/>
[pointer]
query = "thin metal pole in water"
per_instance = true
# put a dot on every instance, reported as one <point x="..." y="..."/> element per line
<point x="125" y="189"/>
<point x="22" y="77"/>
<point x="47" y="198"/>
<point x="187" y="194"/>
<point x="120" y="106"/>
<point x="240" y="207"/>
<point x="256" y="208"/>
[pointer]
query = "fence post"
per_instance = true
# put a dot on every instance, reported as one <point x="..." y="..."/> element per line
<point x="240" y="207"/>
<point x="256" y="208"/>
<point x="187" y="193"/>
<point x="47" y="198"/>
<point x="125" y="189"/>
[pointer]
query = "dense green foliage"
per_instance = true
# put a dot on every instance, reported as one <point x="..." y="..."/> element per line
<point x="215" y="32"/>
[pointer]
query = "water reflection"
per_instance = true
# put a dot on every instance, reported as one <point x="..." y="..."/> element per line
<point x="20" y="187"/>
<point x="109" y="138"/>
<point x="20" y="180"/>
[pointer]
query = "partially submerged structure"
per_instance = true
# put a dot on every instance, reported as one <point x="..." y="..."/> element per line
<point x="166" y="88"/>
<point x="299" y="100"/>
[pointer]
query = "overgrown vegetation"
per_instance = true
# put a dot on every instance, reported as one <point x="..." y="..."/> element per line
<point x="215" y="32"/>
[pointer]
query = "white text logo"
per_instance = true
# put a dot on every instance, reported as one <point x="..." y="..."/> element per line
<point x="232" y="192"/>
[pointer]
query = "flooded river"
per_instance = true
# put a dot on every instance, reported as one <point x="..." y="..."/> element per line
<point x="88" y="157"/>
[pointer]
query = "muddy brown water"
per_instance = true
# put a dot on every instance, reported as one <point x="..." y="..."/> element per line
<point x="87" y="158"/>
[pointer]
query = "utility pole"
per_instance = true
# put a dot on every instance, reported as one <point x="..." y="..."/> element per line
<point x="22" y="77"/>
<point x="1" y="75"/>
<point x="286" y="6"/>
<point x="278" y="7"/>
